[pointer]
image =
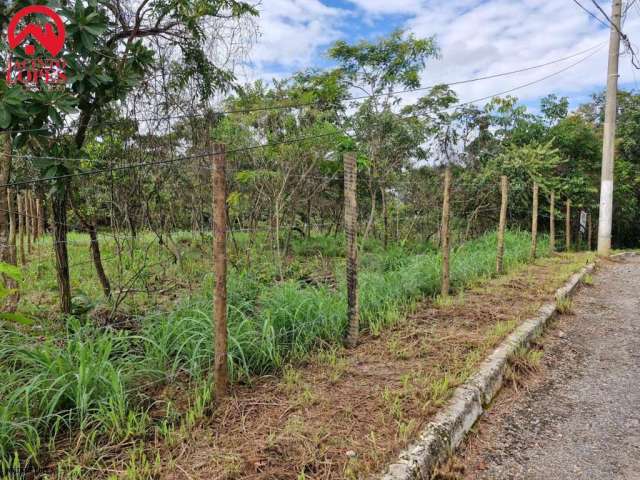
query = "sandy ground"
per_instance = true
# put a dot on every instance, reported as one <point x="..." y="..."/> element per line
<point x="579" y="417"/>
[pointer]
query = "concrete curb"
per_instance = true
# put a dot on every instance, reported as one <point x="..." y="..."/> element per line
<point x="443" y="435"/>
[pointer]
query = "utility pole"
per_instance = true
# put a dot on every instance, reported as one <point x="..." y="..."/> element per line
<point x="606" y="188"/>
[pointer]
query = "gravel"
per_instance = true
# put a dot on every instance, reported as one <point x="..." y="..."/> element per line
<point x="580" y="419"/>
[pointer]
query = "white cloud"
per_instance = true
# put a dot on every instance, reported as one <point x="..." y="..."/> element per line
<point x="381" y="7"/>
<point x="476" y="37"/>
<point x="479" y="38"/>
<point x="293" y="35"/>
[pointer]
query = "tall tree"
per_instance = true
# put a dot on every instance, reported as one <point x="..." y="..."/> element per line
<point x="377" y="69"/>
<point x="108" y="53"/>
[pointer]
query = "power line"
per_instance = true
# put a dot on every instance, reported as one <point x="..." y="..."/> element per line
<point x="283" y="142"/>
<point x="352" y="98"/>
<point x="528" y="84"/>
<point x="590" y="13"/>
<point x="624" y="37"/>
<point x="162" y="162"/>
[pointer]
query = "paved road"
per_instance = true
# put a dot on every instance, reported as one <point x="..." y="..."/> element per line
<point x="581" y="419"/>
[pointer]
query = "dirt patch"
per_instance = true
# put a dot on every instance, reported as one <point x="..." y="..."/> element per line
<point x="346" y="414"/>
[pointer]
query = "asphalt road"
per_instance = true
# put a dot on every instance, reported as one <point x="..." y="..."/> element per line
<point x="581" y="418"/>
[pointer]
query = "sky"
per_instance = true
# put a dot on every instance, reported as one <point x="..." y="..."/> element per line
<point x="476" y="38"/>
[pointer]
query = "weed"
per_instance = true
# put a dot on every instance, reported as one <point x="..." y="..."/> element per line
<point x="406" y="430"/>
<point x="438" y="389"/>
<point x="497" y="332"/>
<point x="522" y="363"/>
<point x="565" y="305"/>
<point x="392" y="403"/>
<point x="337" y="366"/>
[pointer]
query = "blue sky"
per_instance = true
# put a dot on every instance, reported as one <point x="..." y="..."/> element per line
<point x="476" y="38"/>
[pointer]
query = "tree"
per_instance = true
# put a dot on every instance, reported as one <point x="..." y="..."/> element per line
<point x="554" y="109"/>
<point x="377" y="69"/>
<point x="108" y="53"/>
<point x="626" y="214"/>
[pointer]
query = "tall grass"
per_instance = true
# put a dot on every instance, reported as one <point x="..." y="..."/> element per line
<point x="88" y="378"/>
<point x="51" y="386"/>
<point x="271" y="325"/>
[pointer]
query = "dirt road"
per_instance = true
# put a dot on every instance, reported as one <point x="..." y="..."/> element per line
<point x="580" y="417"/>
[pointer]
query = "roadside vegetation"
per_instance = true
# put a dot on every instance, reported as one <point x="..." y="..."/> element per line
<point x="99" y="382"/>
<point x="106" y="221"/>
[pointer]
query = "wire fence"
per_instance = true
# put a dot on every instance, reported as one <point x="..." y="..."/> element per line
<point x="145" y="213"/>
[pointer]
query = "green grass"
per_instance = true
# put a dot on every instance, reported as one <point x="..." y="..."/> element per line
<point x="88" y="379"/>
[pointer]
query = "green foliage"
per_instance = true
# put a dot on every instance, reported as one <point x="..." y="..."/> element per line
<point x="49" y="386"/>
<point x="12" y="272"/>
<point x="395" y="60"/>
<point x="93" y="379"/>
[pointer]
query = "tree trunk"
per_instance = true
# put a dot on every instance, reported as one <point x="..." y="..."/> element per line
<point x="59" y="207"/>
<point x="372" y="213"/>
<point x="5" y="176"/>
<point x="97" y="260"/>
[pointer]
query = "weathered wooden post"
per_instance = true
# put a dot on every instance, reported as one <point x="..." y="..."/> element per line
<point x="27" y="219"/>
<point x="534" y="222"/>
<point x="12" y="226"/>
<point x="446" y="239"/>
<point x="351" y="234"/>
<point x="504" y="189"/>
<point x="219" y="185"/>
<point x="21" y="226"/>
<point x="589" y="232"/>
<point x="552" y="223"/>
<point x="40" y="215"/>
<point x="6" y="157"/>
<point x="34" y="216"/>
<point x="568" y="226"/>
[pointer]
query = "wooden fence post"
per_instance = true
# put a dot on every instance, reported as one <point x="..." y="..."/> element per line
<point x="26" y="204"/>
<point x="534" y="222"/>
<point x="351" y="234"/>
<point x="568" y="226"/>
<point x="589" y="231"/>
<point x="504" y="189"/>
<point x="34" y="216"/>
<point x="21" y="226"/>
<point x="40" y="215"/>
<point x="552" y="223"/>
<point x="5" y="177"/>
<point x="12" y="226"/>
<point x="446" y="240"/>
<point x="219" y="184"/>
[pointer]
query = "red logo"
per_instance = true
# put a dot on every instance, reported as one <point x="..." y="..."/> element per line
<point x="49" y="70"/>
<point x="50" y="40"/>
